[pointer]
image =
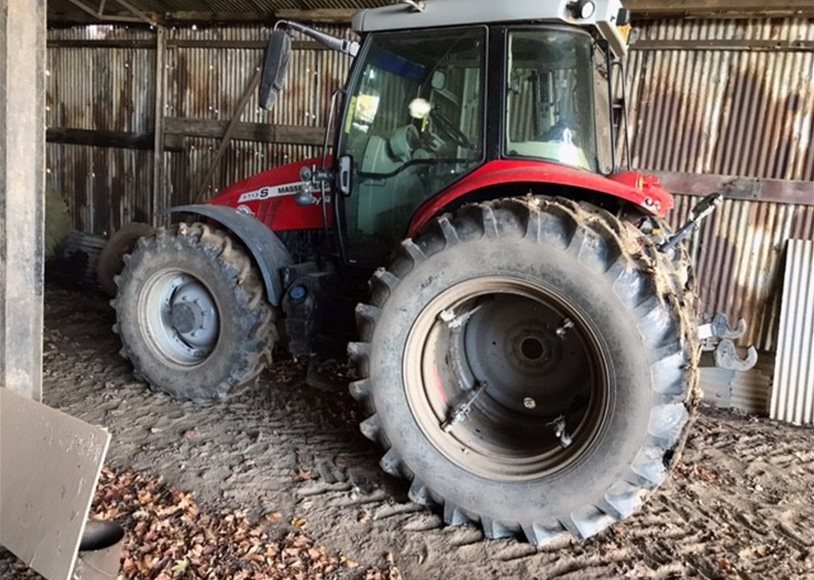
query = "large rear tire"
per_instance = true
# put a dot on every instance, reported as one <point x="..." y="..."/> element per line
<point x="192" y="314"/>
<point x="570" y="340"/>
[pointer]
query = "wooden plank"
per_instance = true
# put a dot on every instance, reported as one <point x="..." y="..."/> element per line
<point x="93" y="138"/>
<point x="159" y="167"/>
<point x="22" y="194"/>
<point x="211" y="17"/>
<point x="706" y="7"/>
<point x="176" y="129"/>
<point x="240" y="44"/>
<point x="285" y="134"/>
<point x="101" y="43"/>
<point x="324" y="15"/>
<point x="744" y="188"/>
<point x="726" y="45"/>
<point x="51" y="463"/>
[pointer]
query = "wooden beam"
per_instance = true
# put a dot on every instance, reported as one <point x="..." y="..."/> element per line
<point x="92" y="138"/>
<point x="96" y="16"/>
<point x="158" y="202"/>
<point x="324" y="15"/>
<point x="262" y="132"/>
<point x="726" y="45"/>
<point x="710" y="7"/>
<point x="240" y="44"/>
<point x="22" y="196"/>
<point x="102" y="43"/>
<point x="743" y="188"/>
<point x="146" y="18"/>
<point x="176" y="129"/>
<point x="190" y="17"/>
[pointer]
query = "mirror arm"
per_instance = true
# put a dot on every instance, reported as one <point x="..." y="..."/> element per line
<point x="348" y="47"/>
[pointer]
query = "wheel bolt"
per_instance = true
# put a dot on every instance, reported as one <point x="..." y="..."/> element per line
<point x="566" y="324"/>
<point x="529" y="403"/>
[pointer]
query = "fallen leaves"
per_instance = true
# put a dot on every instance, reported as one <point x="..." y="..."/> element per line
<point x="303" y="475"/>
<point x="692" y="471"/>
<point x="169" y="536"/>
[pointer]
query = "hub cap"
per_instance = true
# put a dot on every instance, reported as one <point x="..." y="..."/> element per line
<point x="506" y="378"/>
<point x="180" y="316"/>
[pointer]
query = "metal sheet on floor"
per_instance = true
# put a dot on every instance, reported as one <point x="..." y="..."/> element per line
<point x="50" y="466"/>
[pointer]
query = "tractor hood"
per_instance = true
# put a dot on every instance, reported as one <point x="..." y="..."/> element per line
<point x="271" y="198"/>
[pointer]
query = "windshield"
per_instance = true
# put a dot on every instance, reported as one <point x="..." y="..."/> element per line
<point x="550" y="103"/>
<point x="414" y="125"/>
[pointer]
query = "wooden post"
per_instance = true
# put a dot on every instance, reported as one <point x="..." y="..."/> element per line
<point x="22" y="194"/>
<point x="159" y="202"/>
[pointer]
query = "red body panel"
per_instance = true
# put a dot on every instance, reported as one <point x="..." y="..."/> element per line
<point x="634" y="187"/>
<point x="270" y="196"/>
<point x="277" y="209"/>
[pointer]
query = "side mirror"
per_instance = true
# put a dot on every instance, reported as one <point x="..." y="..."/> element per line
<point x="275" y="68"/>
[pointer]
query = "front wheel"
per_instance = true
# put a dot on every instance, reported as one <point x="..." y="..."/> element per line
<point x="192" y="314"/>
<point x="529" y="366"/>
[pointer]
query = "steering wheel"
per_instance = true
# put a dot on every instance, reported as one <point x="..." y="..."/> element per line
<point x="448" y="127"/>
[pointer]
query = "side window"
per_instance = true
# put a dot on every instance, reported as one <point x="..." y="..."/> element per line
<point x="550" y="108"/>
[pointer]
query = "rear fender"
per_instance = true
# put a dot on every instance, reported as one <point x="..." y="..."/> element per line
<point x="268" y="251"/>
<point x="642" y="191"/>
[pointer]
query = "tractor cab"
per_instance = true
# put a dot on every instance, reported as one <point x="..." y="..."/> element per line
<point x="440" y="89"/>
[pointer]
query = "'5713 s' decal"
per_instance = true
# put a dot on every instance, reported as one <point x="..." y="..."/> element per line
<point x="271" y="192"/>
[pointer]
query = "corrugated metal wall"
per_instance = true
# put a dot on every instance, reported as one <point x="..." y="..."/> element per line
<point x="730" y="111"/>
<point x="724" y="111"/>
<point x="109" y="89"/>
<point x="113" y="89"/>
<point x="207" y="83"/>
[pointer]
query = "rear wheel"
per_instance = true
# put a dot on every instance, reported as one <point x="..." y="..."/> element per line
<point x="119" y="245"/>
<point x="530" y="365"/>
<point x="192" y="315"/>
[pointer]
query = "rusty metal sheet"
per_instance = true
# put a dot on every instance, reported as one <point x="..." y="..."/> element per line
<point x="738" y="254"/>
<point x="720" y="111"/>
<point x="746" y="391"/>
<point x="51" y="463"/>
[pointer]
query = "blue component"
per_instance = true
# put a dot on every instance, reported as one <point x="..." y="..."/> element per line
<point x="298" y="293"/>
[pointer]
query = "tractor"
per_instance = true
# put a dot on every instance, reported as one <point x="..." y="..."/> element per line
<point x="521" y="319"/>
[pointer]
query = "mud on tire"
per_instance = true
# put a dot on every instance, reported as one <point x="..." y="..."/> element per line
<point x="505" y="465"/>
<point x="204" y="263"/>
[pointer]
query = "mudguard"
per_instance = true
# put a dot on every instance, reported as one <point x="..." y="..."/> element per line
<point x="268" y="251"/>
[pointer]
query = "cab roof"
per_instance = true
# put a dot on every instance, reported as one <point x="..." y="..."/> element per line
<point x="438" y="13"/>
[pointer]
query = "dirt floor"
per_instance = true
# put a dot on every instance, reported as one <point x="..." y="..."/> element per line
<point x="741" y="503"/>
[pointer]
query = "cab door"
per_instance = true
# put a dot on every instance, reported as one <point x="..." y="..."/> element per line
<point x="414" y="124"/>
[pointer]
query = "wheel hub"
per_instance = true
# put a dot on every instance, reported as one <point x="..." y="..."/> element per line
<point x="512" y="344"/>
<point x="181" y="316"/>
<point x="187" y="317"/>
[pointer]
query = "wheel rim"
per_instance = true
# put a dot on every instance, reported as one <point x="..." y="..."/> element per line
<point x="525" y="362"/>
<point x="181" y="317"/>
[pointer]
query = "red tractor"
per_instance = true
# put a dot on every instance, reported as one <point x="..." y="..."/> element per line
<point x="526" y="338"/>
